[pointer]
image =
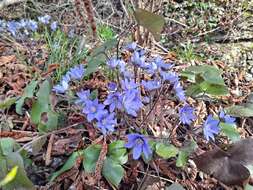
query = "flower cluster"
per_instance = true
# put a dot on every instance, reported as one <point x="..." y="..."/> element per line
<point x="24" y="27"/>
<point x="212" y="125"/>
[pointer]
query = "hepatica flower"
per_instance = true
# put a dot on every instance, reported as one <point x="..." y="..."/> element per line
<point x="32" y="25"/>
<point x="211" y="128"/>
<point x="186" y="114"/>
<point x="63" y="86"/>
<point x="83" y="96"/>
<point x="137" y="59"/>
<point x="113" y="62"/>
<point x="132" y="102"/>
<point x="128" y="84"/>
<point x="44" y="19"/>
<point x="139" y="144"/>
<point x="54" y="25"/>
<point x="112" y="86"/>
<point x="107" y="122"/>
<point x="114" y="100"/>
<point x="169" y="76"/>
<point x="13" y="27"/>
<point x="226" y="118"/>
<point x="151" y="85"/>
<point x="131" y="46"/>
<point x="161" y="64"/>
<point x="94" y="110"/>
<point x="77" y="72"/>
<point x="180" y="93"/>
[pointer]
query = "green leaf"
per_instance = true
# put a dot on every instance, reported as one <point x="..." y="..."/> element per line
<point x="118" y="152"/>
<point x="90" y="157"/>
<point x="38" y="144"/>
<point x="240" y="111"/>
<point x="213" y="89"/>
<point x="106" y="46"/>
<point x="175" y="186"/>
<point x="184" y="153"/>
<point x="8" y="145"/>
<point x="42" y="103"/>
<point x="21" y="181"/>
<point x="151" y="21"/>
<point x="113" y="172"/>
<point x="68" y="164"/>
<point x="193" y="90"/>
<point x="203" y="69"/>
<point x="9" y="177"/>
<point x="248" y="187"/>
<point x="7" y="103"/>
<point x="166" y="151"/>
<point x="230" y="131"/>
<point x="28" y="93"/>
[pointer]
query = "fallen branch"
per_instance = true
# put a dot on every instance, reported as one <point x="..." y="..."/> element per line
<point x="5" y="3"/>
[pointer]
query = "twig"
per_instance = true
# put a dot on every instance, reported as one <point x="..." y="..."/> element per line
<point x="49" y="150"/>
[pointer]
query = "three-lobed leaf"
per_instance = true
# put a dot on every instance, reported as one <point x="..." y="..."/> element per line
<point x="90" y="157"/>
<point x="166" y="151"/>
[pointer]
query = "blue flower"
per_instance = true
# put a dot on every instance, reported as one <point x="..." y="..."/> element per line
<point x="137" y="59"/>
<point x="71" y="33"/>
<point x="226" y="118"/>
<point x="84" y="96"/>
<point x="161" y="64"/>
<point x="139" y="144"/>
<point x="112" y="86"/>
<point x="211" y="128"/>
<point x="114" y="100"/>
<point x="131" y="46"/>
<point x="54" y="25"/>
<point x="128" y="84"/>
<point x="13" y="27"/>
<point x="77" y="72"/>
<point x="44" y="19"/>
<point x="32" y="25"/>
<point x="113" y="62"/>
<point x="94" y="110"/>
<point x="179" y="91"/>
<point x="132" y="102"/>
<point x="169" y="76"/>
<point x="107" y="123"/>
<point x="63" y="86"/>
<point x="186" y="114"/>
<point x="150" y="68"/>
<point x="151" y="85"/>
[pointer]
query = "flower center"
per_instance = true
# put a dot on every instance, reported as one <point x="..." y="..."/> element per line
<point x="93" y="109"/>
<point x="139" y="141"/>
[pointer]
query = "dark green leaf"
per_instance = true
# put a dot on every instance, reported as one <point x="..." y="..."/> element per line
<point x="28" y="93"/>
<point x="7" y="103"/>
<point x="90" y="157"/>
<point x="113" y="172"/>
<point x="193" y="90"/>
<point x="230" y="131"/>
<point x="166" y="151"/>
<point x="68" y="164"/>
<point x="153" y="22"/>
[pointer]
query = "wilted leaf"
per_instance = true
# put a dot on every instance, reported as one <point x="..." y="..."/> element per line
<point x="112" y="171"/>
<point x="175" y="186"/>
<point x="90" y="157"/>
<point x="166" y="151"/>
<point x="28" y="93"/>
<point x="68" y="164"/>
<point x="151" y="21"/>
<point x="7" y="103"/>
<point x="228" y="166"/>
